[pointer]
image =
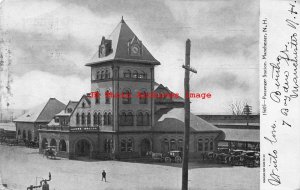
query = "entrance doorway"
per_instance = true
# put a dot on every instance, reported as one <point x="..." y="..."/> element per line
<point x="145" y="146"/>
<point x="83" y="148"/>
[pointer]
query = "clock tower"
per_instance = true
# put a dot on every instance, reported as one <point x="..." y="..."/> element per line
<point x="123" y="65"/>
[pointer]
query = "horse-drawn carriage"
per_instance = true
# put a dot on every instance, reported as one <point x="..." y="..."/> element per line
<point x="51" y="152"/>
<point x="171" y="156"/>
<point x="31" y="144"/>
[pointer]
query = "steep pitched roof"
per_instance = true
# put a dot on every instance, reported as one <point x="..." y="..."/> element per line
<point x="43" y="112"/>
<point x="173" y="120"/>
<point x="120" y="37"/>
<point x="72" y="105"/>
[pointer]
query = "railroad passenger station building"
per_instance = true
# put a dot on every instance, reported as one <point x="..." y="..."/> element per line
<point x="103" y="127"/>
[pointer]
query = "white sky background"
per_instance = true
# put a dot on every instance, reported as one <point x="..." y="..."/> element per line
<point x="52" y="40"/>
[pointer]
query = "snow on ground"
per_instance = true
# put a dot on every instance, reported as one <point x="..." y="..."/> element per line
<point x="21" y="167"/>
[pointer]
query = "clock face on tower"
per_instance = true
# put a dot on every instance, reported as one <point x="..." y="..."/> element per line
<point x="135" y="50"/>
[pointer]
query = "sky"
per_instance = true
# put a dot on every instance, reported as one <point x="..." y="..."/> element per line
<point x="52" y="40"/>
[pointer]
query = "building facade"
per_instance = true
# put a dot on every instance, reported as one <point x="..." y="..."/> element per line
<point x="127" y="113"/>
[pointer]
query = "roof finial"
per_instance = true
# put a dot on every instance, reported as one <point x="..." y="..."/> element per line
<point x="122" y="20"/>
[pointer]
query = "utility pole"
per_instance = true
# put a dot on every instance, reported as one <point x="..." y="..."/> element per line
<point x="188" y="69"/>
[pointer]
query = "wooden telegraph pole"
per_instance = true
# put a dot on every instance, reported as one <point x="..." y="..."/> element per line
<point x="188" y="69"/>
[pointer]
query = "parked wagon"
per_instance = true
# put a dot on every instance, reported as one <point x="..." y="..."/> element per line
<point x="51" y="152"/>
<point x="251" y="159"/>
<point x="173" y="156"/>
<point x="236" y="157"/>
<point x="222" y="156"/>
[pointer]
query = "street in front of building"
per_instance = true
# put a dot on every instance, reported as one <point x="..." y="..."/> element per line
<point x="21" y="167"/>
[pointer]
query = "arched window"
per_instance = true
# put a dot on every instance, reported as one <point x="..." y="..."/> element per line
<point x="106" y="145"/>
<point x="77" y="119"/>
<point x="109" y="119"/>
<point x="102" y="74"/>
<point x="105" y="119"/>
<point x="98" y="75"/>
<point x="146" y="119"/>
<point x="180" y="144"/>
<point x="142" y="75"/>
<point x="83" y="104"/>
<point x="200" y="144"/>
<point x="129" y="119"/>
<point x="107" y="74"/>
<point x="123" y="145"/>
<point x="172" y="144"/>
<point x="24" y="134"/>
<point x="165" y="145"/>
<point x="97" y="98"/>
<point x="69" y="110"/>
<point x="29" y="136"/>
<point x="123" y="118"/>
<point x="44" y="143"/>
<point x="140" y="119"/>
<point x="83" y="119"/>
<point x="135" y="74"/>
<point x="53" y="142"/>
<point x="126" y="97"/>
<point x="206" y="144"/>
<point x="127" y="74"/>
<point x="143" y="97"/>
<point x="19" y="132"/>
<point x="99" y="119"/>
<point x="129" y="145"/>
<point x="107" y="97"/>
<point x="211" y="144"/>
<point x="95" y="118"/>
<point x="62" y="145"/>
<point x="89" y="119"/>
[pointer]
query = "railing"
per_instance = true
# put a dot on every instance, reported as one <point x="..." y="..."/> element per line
<point x="83" y="129"/>
<point x="53" y="127"/>
<point x="70" y="129"/>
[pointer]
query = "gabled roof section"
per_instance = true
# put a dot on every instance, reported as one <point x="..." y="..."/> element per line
<point x="72" y="105"/>
<point x="85" y="98"/>
<point x="42" y="113"/>
<point x="159" y="88"/>
<point x="121" y="38"/>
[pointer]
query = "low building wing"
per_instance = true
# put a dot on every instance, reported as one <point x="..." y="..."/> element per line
<point x="173" y="120"/>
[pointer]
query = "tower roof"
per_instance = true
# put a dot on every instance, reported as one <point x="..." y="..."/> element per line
<point x="121" y="38"/>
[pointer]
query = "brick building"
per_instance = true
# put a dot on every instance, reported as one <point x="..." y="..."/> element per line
<point x="27" y="124"/>
<point x="125" y="127"/>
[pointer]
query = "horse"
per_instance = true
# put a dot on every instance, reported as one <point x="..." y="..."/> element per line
<point x="50" y="153"/>
<point x="155" y="156"/>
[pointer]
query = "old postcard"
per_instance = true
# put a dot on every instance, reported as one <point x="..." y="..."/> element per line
<point x="149" y="94"/>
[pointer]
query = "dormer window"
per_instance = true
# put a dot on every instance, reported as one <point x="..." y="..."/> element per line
<point x="104" y="47"/>
<point x="56" y="120"/>
<point x="69" y="110"/>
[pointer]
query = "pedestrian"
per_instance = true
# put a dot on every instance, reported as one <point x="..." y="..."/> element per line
<point x="104" y="175"/>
